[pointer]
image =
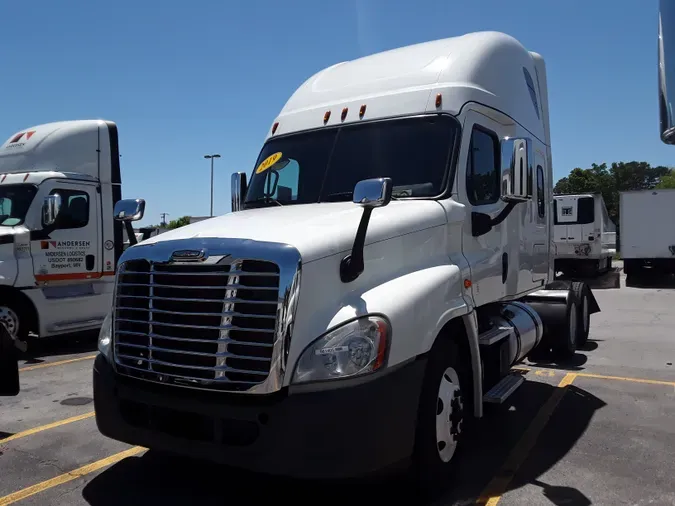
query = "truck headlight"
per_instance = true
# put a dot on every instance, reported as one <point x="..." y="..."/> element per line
<point x="105" y="336"/>
<point x="355" y="348"/>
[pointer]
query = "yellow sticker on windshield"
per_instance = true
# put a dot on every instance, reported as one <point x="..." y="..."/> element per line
<point x="268" y="162"/>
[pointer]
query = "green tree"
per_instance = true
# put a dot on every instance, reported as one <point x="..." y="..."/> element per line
<point x="180" y="222"/>
<point x="609" y="181"/>
<point x="667" y="181"/>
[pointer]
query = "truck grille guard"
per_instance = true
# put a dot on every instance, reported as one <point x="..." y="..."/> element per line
<point x="211" y="314"/>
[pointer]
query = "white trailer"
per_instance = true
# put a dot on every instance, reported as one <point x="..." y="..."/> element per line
<point x="647" y="240"/>
<point x="584" y="235"/>
<point x="387" y="263"/>
<point x="59" y="245"/>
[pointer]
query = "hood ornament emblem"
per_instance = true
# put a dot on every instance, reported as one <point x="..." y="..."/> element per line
<point x="189" y="255"/>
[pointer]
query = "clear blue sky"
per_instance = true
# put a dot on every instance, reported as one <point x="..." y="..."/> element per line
<point x="182" y="79"/>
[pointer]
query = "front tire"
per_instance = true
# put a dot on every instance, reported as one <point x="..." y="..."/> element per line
<point x="13" y="317"/>
<point x="441" y="417"/>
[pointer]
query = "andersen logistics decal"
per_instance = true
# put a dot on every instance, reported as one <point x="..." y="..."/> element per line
<point x="65" y="254"/>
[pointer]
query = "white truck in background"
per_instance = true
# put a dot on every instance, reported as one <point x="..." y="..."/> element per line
<point x="389" y="261"/>
<point x="59" y="244"/>
<point x="647" y="231"/>
<point x="584" y="235"/>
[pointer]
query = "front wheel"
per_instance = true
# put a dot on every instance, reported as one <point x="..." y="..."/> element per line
<point x="13" y="318"/>
<point x="441" y="417"/>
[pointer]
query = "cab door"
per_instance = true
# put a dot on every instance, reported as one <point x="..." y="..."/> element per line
<point x="71" y="252"/>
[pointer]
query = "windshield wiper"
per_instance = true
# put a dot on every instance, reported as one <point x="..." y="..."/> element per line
<point x="259" y="202"/>
<point x="347" y="194"/>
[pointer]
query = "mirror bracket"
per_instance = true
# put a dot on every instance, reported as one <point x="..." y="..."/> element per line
<point x="238" y="189"/>
<point x="369" y="193"/>
<point x="517" y="160"/>
<point x="129" y="210"/>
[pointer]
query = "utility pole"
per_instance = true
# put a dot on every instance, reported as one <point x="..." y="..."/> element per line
<point x="163" y="222"/>
<point x="214" y="155"/>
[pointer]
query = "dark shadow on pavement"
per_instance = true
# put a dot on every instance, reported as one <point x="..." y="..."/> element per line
<point x="69" y="344"/>
<point x="549" y="360"/>
<point x="606" y="281"/>
<point x="647" y="279"/>
<point x="156" y="479"/>
<point x="568" y="423"/>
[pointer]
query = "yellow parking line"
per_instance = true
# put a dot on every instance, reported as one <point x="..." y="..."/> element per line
<point x="600" y="376"/>
<point x="48" y="426"/>
<point x="498" y="485"/>
<point x="69" y="476"/>
<point x="60" y="362"/>
<point x="631" y="380"/>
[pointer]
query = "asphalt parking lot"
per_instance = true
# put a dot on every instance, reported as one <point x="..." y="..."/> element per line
<point x="595" y="430"/>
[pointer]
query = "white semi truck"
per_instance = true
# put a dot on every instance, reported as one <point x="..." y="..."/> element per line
<point x="59" y="244"/>
<point x="388" y="262"/>
<point x="647" y="231"/>
<point x="584" y="235"/>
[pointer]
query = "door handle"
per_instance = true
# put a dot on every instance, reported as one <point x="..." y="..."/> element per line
<point x="505" y="267"/>
<point x="89" y="261"/>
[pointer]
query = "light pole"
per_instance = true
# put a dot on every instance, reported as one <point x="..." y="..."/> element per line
<point x="214" y="155"/>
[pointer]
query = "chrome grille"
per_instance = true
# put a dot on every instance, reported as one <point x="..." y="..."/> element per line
<point x="212" y="326"/>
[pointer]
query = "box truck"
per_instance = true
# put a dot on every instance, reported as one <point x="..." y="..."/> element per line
<point x="647" y="231"/>
<point x="584" y="235"/>
<point x="386" y="264"/>
<point x="59" y="244"/>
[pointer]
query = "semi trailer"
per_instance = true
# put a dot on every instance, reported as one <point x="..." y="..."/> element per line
<point x="388" y="260"/>
<point x="647" y="231"/>
<point x="584" y="235"/>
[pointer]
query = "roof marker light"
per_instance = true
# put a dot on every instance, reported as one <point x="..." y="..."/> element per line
<point x="326" y="117"/>
<point x="362" y="111"/>
<point x="439" y="100"/>
<point x="274" y="127"/>
<point x="26" y="177"/>
<point x="344" y="114"/>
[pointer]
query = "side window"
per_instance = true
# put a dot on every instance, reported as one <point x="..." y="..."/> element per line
<point x="530" y="87"/>
<point x="74" y="208"/>
<point x="541" y="192"/>
<point x="482" y="174"/>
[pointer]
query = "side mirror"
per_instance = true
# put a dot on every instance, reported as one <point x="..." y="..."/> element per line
<point x="9" y="365"/>
<point x="369" y="194"/>
<point x="517" y="160"/>
<point x="129" y="210"/>
<point x="373" y="193"/>
<point x="238" y="188"/>
<point x="666" y="45"/>
<point x="51" y="207"/>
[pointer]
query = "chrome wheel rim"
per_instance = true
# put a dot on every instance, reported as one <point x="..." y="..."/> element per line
<point x="449" y="413"/>
<point x="10" y="320"/>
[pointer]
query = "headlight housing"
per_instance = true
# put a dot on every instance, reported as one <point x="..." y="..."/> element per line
<point x="105" y="336"/>
<point x="353" y="349"/>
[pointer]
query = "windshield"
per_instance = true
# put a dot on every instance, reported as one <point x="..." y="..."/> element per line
<point x="325" y="165"/>
<point x="14" y="203"/>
